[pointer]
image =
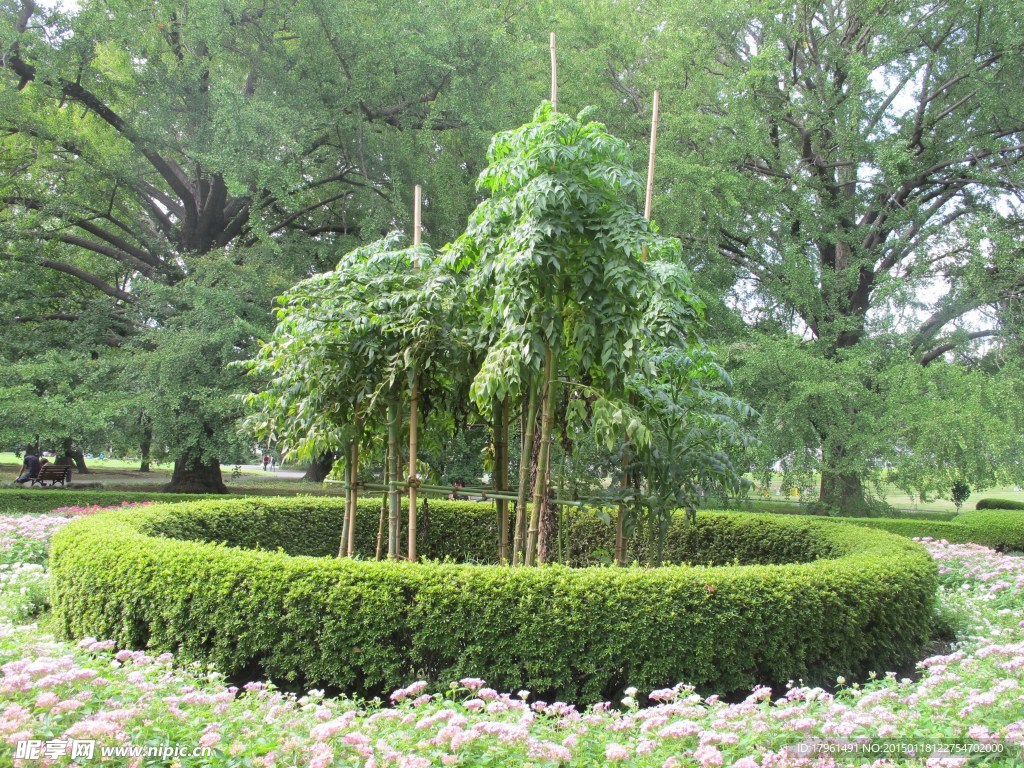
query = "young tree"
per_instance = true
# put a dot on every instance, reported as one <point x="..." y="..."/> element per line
<point x="555" y="272"/>
<point x="340" y="361"/>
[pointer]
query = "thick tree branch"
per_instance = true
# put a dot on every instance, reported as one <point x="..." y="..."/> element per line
<point x="309" y="208"/>
<point x="74" y="91"/>
<point x="104" y="250"/>
<point x="69" y="269"/>
<point x="937" y="352"/>
<point x="941" y="318"/>
<point x="61" y="316"/>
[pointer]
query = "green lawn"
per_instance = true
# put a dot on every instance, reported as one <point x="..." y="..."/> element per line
<point x="8" y="459"/>
<point x="901" y="500"/>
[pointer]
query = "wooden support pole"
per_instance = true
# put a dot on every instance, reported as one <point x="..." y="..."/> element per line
<point x="649" y="195"/>
<point x="414" y="395"/>
<point x="383" y="510"/>
<point x="554" y="75"/>
<point x="414" y="392"/>
<point x="620" y="519"/>
<point x="650" y="158"/>
<point x="417" y="226"/>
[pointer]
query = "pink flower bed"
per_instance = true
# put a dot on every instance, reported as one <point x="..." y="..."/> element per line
<point x="971" y="695"/>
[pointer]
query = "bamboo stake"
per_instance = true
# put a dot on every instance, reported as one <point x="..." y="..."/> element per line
<point x="554" y="75"/>
<point x="417" y="226"/>
<point x="383" y="509"/>
<point x="650" y="159"/>
<point x="343" y="544"/>
<point x="620" y="520"/>
<point x="414" y="392"/>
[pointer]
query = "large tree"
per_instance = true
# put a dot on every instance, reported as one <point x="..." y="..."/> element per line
<point x="143" y="141"/>
<point x="852" y="170"/>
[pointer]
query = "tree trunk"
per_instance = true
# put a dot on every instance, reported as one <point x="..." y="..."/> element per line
<point x="540" y="487"/>
<point x="379" y="552"/>
<point x="319" y="468"/>
<point x="192" y="474"/>
<point x="529" y="420"/>
<point x="414" y="395"/>
<point x="353" y="494"/>
<point x="394" y="496"/>
<point x="146" y="447"/>
<point x="78" y="457"/>
<point x="343" y="544"/>
<point x="841" y="489"/>
<point x="74" y="456"/>
<point x="620" y="516"/>
<point x="501" y="474"/>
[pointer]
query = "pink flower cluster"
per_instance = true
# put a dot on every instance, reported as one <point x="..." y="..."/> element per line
<point x="974" y="692"/>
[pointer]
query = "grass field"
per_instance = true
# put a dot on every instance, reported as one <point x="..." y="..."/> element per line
<point x="8" y="459"/>
<point x="901" y="500"/>
<point x="116" y="474"/>
<point x="119" y="474"/>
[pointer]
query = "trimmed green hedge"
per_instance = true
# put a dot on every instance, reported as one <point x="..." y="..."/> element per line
<point x="745" y="504"/>
<point x="998" y="504"/>
<point x="576" y="634"/>
<point x="20" y="501"/>
<point x="990" y="528"/>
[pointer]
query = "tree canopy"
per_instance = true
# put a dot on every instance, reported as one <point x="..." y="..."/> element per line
<point x="843" y="179"/>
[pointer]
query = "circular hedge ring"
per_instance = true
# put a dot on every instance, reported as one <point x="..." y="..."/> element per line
<point x="250" y="585"/>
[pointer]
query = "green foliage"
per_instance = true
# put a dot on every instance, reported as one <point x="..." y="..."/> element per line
<point x="998" y="504"/>
<point x="697" y="438"/>
<point x="346" y="342"/>
<point x="842" y="191"/>
<point x="989" y="528"/>
<point x="162" y="167"/>
<point x="57" y="397"/>
<point x="553" y="257"/>
<point x="18" y="501"/>
<point x="581" y="635"/>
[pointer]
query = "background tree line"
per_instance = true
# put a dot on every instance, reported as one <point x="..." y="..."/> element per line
<point x="844" y="178"/>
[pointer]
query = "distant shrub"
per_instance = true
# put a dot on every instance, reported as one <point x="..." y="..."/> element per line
<point x="998" y="504"/>
<point x="959" y="493"/>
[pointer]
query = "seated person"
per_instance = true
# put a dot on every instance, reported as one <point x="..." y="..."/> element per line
<point x="455" y="495"/>
<point x="29" y="468"/>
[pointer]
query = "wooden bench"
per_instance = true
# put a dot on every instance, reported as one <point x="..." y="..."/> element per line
<point x="53" y="474"/>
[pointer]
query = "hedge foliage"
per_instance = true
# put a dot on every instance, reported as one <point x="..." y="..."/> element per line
<point x="23" y="501"/>
<point x="998" y="504"/>
<point x="166" y="577"/>
<point x="990" y="528"/>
